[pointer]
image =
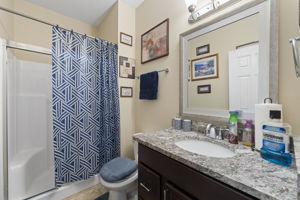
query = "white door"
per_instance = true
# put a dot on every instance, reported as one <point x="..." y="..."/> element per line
<point x="243" y="78"/>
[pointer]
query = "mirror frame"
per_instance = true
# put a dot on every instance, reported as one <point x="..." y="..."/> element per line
<point x="268" y="55"/>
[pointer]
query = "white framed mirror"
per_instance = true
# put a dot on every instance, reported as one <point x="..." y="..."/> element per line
<point x="231" y="62"/>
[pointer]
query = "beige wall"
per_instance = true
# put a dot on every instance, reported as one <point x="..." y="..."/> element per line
<point x="34" y="33"/>
<point x="31" y="32"/>
<point x="241" y="32"/>
<point x="6" y="20"/>
<point x="157" y="114"/>
<point x="108" y="29"/>
<point x="154" y="115"/>
<point x="121" y="18"/>
<point x="289" y="85"/>
<point x="126" y="24"/>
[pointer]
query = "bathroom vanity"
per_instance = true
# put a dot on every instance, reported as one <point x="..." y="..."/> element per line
<point x="168" y="172"/>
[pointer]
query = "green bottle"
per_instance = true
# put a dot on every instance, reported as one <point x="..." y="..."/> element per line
<point x="233" y="127"/>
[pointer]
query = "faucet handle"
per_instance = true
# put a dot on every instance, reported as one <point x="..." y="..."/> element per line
<point x="223" y="133"/>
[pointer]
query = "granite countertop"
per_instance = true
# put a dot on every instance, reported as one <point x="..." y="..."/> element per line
<point x="296" y="140"/>
<point x="246" y="171"/>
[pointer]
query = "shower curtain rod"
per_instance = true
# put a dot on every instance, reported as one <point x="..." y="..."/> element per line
<point x="41" y="21"/>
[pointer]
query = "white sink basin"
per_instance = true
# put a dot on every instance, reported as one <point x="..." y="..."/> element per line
<point x="205" y="148"/>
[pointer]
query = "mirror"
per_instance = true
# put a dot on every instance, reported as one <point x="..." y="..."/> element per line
<point x="228" y="64"/>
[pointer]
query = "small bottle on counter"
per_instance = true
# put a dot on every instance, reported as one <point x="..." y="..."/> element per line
<point x="233" y="127"/>
<point x="248" y="133"/>
<point x="177" y="123"/>
<point x="187" y="125"/>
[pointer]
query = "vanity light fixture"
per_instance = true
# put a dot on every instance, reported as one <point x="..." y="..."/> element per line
<point x="212" y="5"/>
<point x="191" y="4"/>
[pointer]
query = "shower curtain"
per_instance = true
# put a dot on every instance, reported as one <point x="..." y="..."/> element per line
<point x="86" y="112"/>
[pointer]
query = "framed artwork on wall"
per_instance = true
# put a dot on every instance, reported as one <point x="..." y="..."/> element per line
<point x="126" y="67"/>
<point x="126" y="91"/>
<point x="205" y="68"/>
<point x="126" y="39"/>
<point x="203" y="89"/>
<point x="155" y="42"/>
<point x="202" y="50"/>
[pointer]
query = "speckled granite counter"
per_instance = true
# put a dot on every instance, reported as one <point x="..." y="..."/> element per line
<point x="297" y="159"/>
<point x="246" y="171"/>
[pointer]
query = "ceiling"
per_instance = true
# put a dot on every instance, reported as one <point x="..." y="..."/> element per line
<point x="88" y="11"/>
<point x="134" y="3"/>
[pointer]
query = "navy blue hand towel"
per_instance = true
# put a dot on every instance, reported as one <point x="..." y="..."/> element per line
<point x="149" y="85"/>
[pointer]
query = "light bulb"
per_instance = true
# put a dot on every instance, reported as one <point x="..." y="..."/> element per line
<point x="191" y="3"/>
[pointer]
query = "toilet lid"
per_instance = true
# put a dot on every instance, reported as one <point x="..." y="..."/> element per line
<point x="118" y="169"/>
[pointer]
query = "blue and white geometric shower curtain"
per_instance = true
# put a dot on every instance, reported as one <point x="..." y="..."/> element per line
<point x="86" y="112"/>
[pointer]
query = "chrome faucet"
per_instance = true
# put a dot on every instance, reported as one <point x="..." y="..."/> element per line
<point x="210" y="131"/>
<point x="220" y="133"/>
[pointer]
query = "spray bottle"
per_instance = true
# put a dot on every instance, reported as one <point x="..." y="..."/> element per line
<point x="233" y="127"/>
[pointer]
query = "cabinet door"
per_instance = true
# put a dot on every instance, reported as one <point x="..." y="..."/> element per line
<point x="172" y="193"/>
<point x="148" y="184"/>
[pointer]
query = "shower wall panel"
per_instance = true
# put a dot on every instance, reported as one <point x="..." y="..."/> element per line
<point x="30" y="143"/>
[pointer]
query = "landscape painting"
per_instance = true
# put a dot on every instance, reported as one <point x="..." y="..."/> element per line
<point x="205" y="68"/>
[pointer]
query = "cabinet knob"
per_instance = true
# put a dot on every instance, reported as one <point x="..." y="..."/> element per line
<point x="145" y="187"/>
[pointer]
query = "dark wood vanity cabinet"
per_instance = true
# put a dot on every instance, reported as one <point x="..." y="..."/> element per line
<point x="148" y="184"/>
<point x="170" y="192"/>
<point x="163" y="178"/>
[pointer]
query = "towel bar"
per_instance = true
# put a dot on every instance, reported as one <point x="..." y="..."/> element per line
<point x="163" y="70"/>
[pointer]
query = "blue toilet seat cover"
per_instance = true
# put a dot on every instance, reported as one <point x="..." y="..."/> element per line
<point x="118" y="169"/>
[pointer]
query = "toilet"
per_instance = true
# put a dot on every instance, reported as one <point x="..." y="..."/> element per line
<point x="119" y="176"/>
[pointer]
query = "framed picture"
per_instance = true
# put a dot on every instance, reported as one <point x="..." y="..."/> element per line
<point x="126" y="67"/>
<point x="126" y="92"/>
<point x="205" y="68"/>
<point x="202" y="50"/>
<point x="155" y="42"/>
<point x="203" y="89"/>
<point x="126" y="39"/>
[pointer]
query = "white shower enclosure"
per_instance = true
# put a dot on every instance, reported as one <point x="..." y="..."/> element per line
<point x="30" y="157"/>
<point x="30" y="152"/>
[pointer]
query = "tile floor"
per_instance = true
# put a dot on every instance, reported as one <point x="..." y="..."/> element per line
<point x="95" y="192"/>
<point x="88" y="194"/>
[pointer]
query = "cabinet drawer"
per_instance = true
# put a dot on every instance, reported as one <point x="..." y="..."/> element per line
<point x="148" y="184"/>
